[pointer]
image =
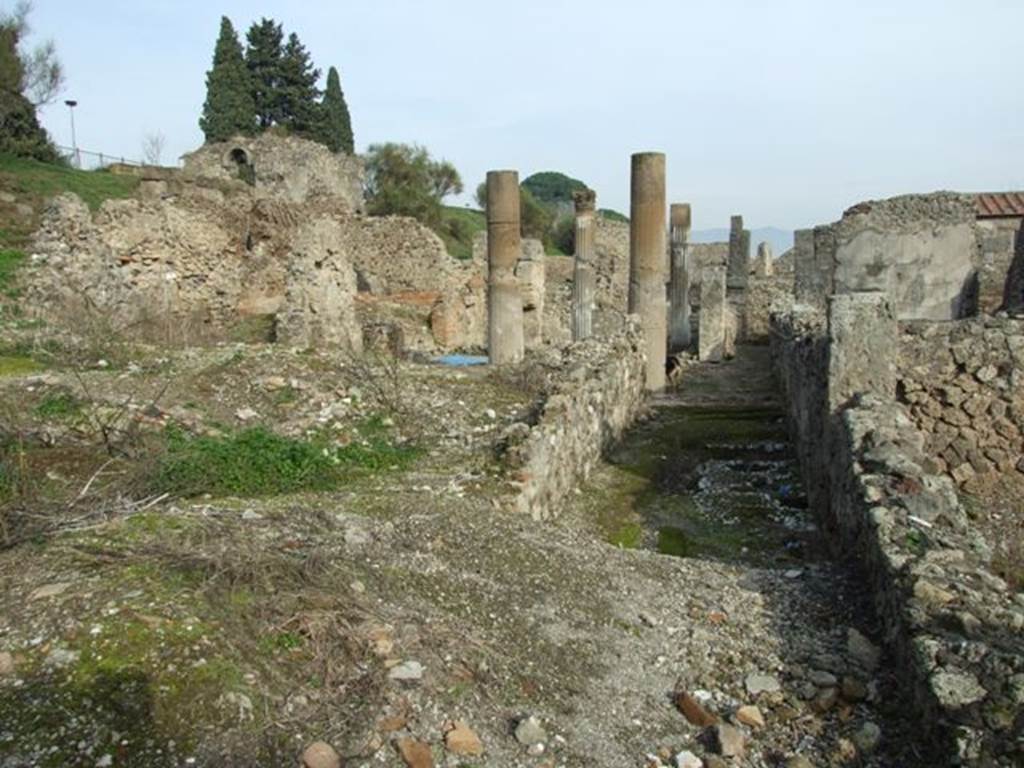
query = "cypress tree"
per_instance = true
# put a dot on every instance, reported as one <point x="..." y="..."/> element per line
<point x="334" y="128"/>
<point x="263" y="59"/>
<point x="228" y="109"/>
<point x="296" y="88"/>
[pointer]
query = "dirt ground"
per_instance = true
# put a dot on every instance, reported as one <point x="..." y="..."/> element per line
<point x="143" y="629"/>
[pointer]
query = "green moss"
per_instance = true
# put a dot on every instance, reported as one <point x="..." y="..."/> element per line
<point x="627" y="536"/>
<point x="673" y="541"/>
<point x="144" y="683"/>
<point x="16" y="365"/>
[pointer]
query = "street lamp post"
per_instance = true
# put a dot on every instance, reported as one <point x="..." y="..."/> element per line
<point x="71" y="104"/>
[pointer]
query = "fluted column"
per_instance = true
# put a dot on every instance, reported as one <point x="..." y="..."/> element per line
<point x="583" y="271"/>
<point x="679" y="278"/>
<point x="504" y="302"/>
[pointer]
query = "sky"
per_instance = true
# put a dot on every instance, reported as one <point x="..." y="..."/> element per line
<point x="785" y="111"/>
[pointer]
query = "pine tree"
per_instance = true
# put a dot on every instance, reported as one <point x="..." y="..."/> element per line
<point x="263" y="59"/>
<point x="296" y="88"/>
<point x="229" y="108"/>
<point x="334" y="128"/>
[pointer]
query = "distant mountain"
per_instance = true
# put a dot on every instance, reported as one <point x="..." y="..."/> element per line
<point x="781" y="239"/>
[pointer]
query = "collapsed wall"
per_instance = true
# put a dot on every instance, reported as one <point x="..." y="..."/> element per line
<point x="953" y="625"/>
<point x="205" y="253"/>
<point x="597" y="393"/>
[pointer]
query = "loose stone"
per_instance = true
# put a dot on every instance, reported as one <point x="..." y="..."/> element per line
<point x="320" y="754"/>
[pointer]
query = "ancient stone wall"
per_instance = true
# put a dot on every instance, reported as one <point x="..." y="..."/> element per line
<point x="597" y="394"/>
<point x="1000" y="268"/>
<point x="282" y="168"/>
<point x="764" y="292"/>
<point x="920" y="249"/>
<point x="963" y="383"/>
<point x="953" y="626"/>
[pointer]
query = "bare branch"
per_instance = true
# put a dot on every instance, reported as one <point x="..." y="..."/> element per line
<point x="153" y="147"/>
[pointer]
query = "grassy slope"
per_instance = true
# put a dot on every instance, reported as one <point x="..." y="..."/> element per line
<point x="32" y="183"/>
<point x="460" y="227"/>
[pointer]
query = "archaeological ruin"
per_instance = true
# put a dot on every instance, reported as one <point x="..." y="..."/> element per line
<point x="660" y="502"/>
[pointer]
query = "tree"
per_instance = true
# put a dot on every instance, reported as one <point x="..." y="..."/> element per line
<point x="403" y="179"/>
<point x="228" y="109"/>
<point x="37" y="75"/>
<point x="263" y="59"/>
<point x="535" y="218"/>
<point x="153" y="148"/>
<point x="334" y="127"/>
<point x="552" y="187"/>
<point x="297" y="91"/>
<point x="27" y="80"/>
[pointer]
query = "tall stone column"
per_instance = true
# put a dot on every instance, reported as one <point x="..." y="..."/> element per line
<point x="679" y="277"/>
<point x="504" y="302"/>
<point x="711" y="335"/>
<point x="647" y="260"/>
<point x="583" y="270"/>
<point x="765" y="264"/>
<point x="804" y="266"/>
<point x="739" y="253"/>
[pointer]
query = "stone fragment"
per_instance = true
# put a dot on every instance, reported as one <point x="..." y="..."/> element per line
<point x="729" y="741"/>
<point x="415" y="754"/>
<point x="6" y="664"/>
<point x="867" y="737"/>
<point x="686" y="759"/>
<point x="862" y="650"/>
<point x="750" y="716"/>
<point x="49" y="590"/>
<point x="759" y="683"/>
<point x="460" y="739"/>
<point x="407" y="671"/>
<point x="799" y="761"/>
<point x="931" y="594"/>
<point x="529" y="731"/>
<point x="826" y="699"/>
<point x="957" y="689"/>
<point x="823" y="679"/>
<point x="320" y="754"/>
<point x="853" y="689"/>
<point x="693" y="711"/>
<point x="391" y="724"/>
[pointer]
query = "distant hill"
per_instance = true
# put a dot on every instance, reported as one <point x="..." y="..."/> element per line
<point x="781" y="239"/>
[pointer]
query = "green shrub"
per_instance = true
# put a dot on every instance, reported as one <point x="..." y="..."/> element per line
<point x="58" y="406"/>
<point x="258" y="462"/>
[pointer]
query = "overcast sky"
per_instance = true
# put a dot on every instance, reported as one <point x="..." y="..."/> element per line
<point x="787" y="111"/>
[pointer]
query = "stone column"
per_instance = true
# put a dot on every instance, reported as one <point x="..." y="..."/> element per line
<point x="647" y="260"/>
<point x="711" y="334"/>
<point x="862" y="337"/>
<point x="583" y="269"/>
<point x="504" y="302"/>
<point x="679" y="278"/>
<point x="803" y="266"/>
<point x="739" y="256"/>
<point x="765" y="264"/>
